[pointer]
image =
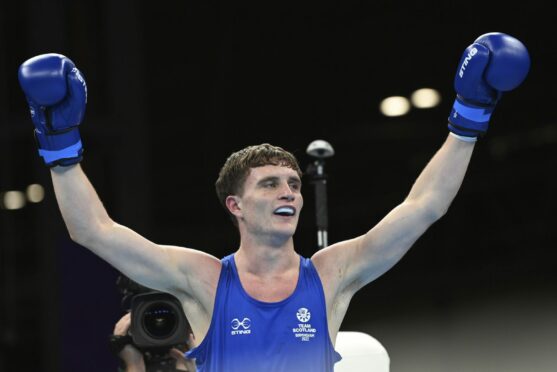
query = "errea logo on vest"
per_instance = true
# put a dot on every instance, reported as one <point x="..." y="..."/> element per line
<point x="240" y="327"/>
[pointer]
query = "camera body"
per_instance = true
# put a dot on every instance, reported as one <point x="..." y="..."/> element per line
<point x="158" y="323"/>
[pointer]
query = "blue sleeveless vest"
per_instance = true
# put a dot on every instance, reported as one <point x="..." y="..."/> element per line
<point x="247" y="335"/>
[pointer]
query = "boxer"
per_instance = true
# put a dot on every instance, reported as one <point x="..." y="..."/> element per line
<point x="264" y="307"/>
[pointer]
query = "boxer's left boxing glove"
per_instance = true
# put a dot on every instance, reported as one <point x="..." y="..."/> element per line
<point x="57" y="95"/>
<point x="493" y="64"/>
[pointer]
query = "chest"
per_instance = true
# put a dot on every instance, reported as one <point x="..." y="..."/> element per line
<point x="271" y="289"/>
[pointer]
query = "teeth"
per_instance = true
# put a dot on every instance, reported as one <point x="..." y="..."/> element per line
<point x="288" y="211"/>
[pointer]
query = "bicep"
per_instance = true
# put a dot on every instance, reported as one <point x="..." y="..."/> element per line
<point x="164" y="268"/>
<point x="369" y="256"/>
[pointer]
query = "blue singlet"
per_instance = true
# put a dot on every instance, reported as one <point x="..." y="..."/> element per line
<point x="247" y="335"/>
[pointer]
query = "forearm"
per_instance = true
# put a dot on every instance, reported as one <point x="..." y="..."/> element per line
<point x="82" y="210"/>
<point x="439" y="182"/>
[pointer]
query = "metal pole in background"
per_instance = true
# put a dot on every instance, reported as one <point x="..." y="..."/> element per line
<point x="320" y="149"/>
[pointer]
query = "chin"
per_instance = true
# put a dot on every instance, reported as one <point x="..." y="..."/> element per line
<point x="286" y="231"/>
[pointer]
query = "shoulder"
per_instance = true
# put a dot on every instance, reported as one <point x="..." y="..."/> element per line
<point x="200" y="270"/>
<point x="333" y="262"/>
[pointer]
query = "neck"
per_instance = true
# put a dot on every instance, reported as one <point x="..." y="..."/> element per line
<point x="262" y="256"/>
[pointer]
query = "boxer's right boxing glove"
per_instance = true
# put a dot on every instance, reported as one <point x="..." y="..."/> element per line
<point x="57" y="95"/>
<point x="493" y="64"/>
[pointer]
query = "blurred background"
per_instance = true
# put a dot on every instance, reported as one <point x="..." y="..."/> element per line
<point x="175" y="87"/>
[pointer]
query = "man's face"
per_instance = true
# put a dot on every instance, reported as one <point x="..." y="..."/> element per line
<point x="271" y="201"/>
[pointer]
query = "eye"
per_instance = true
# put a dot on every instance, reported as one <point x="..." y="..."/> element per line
<point x="295" y="186"/>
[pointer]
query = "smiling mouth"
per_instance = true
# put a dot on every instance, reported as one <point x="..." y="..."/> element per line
<point x="285" y="211"/>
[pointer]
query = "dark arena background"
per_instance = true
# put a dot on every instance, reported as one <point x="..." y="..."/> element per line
<point x="175" y="87"/>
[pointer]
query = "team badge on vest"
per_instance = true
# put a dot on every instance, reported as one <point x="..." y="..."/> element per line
<point x="303" y="315"/>
<point x="240" y="327"/>
<point x="304" y="331"/>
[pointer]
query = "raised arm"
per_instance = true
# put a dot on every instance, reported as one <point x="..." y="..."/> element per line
<point x="57" y="93"/>
<point x="494" y="63"/>
<point x="367" y="257"/>
<point x="165" y="268"/>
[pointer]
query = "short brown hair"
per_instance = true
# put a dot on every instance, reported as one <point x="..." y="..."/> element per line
<point x="236" y="169"/>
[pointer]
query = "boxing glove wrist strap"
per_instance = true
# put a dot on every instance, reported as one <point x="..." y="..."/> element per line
<point x="471" y="112"/>
<point x="60" y="149"/>
<point x="468" y="119"/>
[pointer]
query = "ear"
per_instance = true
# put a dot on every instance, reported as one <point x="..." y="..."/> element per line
<point x="233" y="203"/>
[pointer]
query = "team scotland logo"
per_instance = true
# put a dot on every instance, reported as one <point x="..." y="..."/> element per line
<point x="304" y="331"/>
<point x="303" y="315"/>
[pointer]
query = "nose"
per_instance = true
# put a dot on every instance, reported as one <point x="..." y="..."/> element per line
<point x="287" y="194"/>
<point x="288" y="197"/>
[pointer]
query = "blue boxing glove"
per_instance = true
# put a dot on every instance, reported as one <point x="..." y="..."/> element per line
<point x="57" y="95"/>
<point x="493" y="64"/>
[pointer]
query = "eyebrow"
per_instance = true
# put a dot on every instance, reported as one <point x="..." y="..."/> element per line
<point x="275" y="178"/>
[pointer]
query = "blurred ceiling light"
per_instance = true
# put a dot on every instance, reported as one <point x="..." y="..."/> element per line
<point x="394" y="106"/>
<point x="425" y="98"/>
<point x="13" y="200"/>
<point x="35" y="193"/>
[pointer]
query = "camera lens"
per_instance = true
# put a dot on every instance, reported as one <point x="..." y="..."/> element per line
<point x="159" y="320"/>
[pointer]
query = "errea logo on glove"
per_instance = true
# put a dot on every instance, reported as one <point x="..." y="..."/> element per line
<point x="467" y="59"/>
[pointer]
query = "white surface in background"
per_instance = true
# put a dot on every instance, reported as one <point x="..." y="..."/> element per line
<point x="360" y="353"/>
